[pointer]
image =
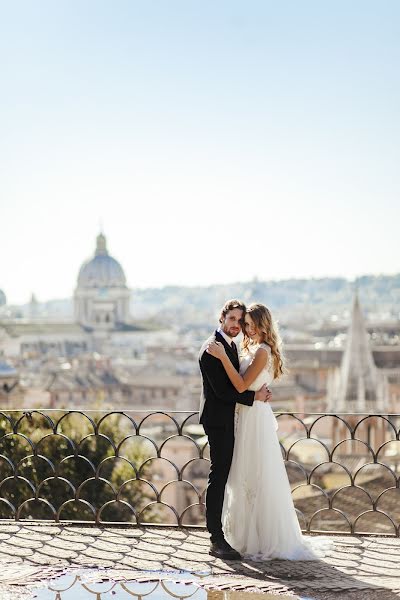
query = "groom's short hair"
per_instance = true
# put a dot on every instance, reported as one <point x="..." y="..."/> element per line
<point x="230" y="305"/>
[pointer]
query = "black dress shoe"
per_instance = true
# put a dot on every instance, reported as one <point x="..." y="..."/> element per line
<point x="221" y="549"/>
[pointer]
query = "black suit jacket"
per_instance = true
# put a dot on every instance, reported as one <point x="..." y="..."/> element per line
<point x="219" y="393"/>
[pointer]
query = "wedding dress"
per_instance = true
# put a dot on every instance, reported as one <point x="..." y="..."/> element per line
<point x="259" y="518"/>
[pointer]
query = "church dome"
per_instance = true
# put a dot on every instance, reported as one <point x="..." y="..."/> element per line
<point x="3" y="299"/>
<point x="102" y="270"/>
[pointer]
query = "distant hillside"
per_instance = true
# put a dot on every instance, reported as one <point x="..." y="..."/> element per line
<point x="317" y="298"/>
<point x="379" y="295"/>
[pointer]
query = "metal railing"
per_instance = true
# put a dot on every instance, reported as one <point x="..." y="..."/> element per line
<point x="143" y="467"/>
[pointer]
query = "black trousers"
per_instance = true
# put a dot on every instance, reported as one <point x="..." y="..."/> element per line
<point x="221" y="441"/>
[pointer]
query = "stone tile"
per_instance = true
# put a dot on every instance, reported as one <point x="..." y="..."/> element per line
<point x="354" y="565"/>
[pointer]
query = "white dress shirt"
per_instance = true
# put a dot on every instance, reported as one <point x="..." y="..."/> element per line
<point x="226" y="337"/>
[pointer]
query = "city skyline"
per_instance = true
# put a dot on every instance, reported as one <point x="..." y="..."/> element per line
<point x="183" y="128"/>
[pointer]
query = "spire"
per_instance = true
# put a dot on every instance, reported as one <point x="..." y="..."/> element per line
<point x="101" y="245"/>
<point x="358" y="387"/>
<point x="33" y="306"/>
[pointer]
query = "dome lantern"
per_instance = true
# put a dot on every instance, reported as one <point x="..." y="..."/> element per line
<point x="101" y="245"/>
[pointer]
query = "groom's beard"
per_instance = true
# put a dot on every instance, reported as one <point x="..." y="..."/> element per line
<point x="232" y="331"/>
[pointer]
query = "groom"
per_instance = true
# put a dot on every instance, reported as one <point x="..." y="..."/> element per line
<point x="217" y="410"/>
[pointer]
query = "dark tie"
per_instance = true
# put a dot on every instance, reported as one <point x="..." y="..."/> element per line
<point x="233" y="346"/>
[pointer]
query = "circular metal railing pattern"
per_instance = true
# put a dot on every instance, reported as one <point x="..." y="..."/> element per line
<point x="151" y="468"/>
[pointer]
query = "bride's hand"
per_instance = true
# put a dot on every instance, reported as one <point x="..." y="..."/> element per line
<point x="216" y="349"/>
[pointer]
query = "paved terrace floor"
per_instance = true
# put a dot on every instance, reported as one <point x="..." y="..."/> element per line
<point x="355" y="568"/>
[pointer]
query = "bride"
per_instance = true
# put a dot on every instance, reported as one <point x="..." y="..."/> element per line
<point x="259" y="518"/>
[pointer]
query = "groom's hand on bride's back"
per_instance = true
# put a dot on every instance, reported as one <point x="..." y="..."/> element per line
<point x="264" y="394"/>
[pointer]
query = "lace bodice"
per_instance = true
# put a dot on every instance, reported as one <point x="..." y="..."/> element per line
<point x="266" y="375"/>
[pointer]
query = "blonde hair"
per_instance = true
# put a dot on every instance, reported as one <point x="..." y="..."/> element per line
<point x="268" y="330"/>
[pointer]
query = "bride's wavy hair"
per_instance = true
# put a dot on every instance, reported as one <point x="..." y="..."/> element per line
<point x="268" y="329"/>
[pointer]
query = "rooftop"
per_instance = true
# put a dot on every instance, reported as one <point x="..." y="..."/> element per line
<point x="30" y="554"/>
<point x="119" y="497"/>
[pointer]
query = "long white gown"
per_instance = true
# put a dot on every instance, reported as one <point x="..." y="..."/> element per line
<point x="259" y="518"/>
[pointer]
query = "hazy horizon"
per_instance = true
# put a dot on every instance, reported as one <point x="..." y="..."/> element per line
<point x="226" y="283"/>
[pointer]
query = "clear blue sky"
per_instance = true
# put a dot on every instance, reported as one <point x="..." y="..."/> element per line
<point x="215" y="140"/>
